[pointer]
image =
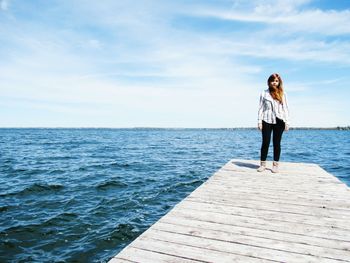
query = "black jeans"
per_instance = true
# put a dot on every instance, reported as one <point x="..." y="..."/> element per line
<point x="277" y="129"/>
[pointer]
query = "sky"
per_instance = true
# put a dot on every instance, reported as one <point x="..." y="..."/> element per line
<point x="165" y="63"/>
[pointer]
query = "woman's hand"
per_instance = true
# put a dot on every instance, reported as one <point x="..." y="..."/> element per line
<point x="286" y="127"/>
<point x="260" y="126"/>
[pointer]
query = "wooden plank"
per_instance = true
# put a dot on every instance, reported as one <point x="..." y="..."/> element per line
<point x="297" y="179"/>
<point x="275" y="206"/>
<point x="133" y="254"/>
<point x="276" y="191"/>
<point x="233" y="249"/>
<point x="120" y="260"/>
<point x="299" y="203"/>
<point x="262" y="242"/>
<point x="269" y="215"/>
<point x="282" y="226"/>
<point x="342" y="205"/>
<point x="256" y="232"/>
<point x="273" y="181"/>
<point x="298" y="215"/>
<point x="190" y="250"/>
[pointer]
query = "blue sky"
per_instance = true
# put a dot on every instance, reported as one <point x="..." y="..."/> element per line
<point x="158" y="63"/>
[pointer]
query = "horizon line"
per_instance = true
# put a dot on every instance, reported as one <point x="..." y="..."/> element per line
<point x="165" y="128"/>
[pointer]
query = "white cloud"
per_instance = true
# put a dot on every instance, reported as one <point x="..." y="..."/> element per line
<point x="298" y="50"/>
<point x="264" y="46"/>
<point x="141" y="70"/>
<point x="3" y="5"/>
<point x="94" y="43"/>
<point x="286" y="16"/>
<point x="279" y="7"/>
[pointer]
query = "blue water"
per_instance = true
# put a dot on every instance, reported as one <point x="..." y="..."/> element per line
<point x="81" y="195"/>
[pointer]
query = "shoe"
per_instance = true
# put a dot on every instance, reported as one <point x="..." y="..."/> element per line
<point x="275" y="167"/>
<point x="262" y="166"/>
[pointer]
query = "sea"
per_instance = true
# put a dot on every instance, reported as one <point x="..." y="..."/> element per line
<point x="82" y="195"/>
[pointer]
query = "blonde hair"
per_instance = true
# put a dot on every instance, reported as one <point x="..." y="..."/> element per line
<point x="276" y="93"/>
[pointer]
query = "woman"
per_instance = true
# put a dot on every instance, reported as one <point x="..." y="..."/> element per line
<point x="272" y="117"/>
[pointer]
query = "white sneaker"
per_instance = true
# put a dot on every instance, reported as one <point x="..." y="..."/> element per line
<point x="262" y="166"/>
<point x="275" y="167"/>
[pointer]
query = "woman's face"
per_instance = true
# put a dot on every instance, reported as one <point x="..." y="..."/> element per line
<point x="275" y="82"/>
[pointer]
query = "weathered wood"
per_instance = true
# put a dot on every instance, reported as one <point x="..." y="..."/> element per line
<point x="255" y="232"/>
<point x="275" y="205"/>
<point x="269" y="215"/>
<point x="133" y="254"/>
<point x="268" y="196"/>
<point x="177" y="246"/>
<point x="239" y="215"/>
<point x="273" y="225"/>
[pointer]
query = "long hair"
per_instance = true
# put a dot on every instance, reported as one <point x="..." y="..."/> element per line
<point x="276" y="93"/>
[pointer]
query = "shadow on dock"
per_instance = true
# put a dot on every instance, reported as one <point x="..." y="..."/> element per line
<point x="247" y="165"/>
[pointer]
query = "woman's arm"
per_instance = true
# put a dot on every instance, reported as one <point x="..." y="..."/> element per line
<point x="260" y="111"/>
<point x="286" y="111"/>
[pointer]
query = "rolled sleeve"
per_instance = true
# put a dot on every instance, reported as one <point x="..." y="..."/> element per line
<point x="260" y="111"/>
<point x="286" y="110"/>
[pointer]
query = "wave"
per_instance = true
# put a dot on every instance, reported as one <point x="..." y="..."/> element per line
<point x="37" y="230"/>
<point x="194" y="182"/>
<point x="119" y="164"/>
<point x="104" y="166"/>
<point x="60" y="219"/>
<point x="123" y="233"/>
<point x="60" y="158"/>
<point x="36" y="188"/>
<point x="9" y="169"/>
<point x="4" y="208"/>
<point x="111" y="184"/>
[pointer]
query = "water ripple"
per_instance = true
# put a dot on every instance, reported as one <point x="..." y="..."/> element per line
<point x="81" y="195"/>
<point x="36" y="189"/>
<point x="110" y="185"/>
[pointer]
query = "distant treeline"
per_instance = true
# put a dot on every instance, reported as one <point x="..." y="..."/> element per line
<point x="345" y="128"/>
<point x="331" y="128"/>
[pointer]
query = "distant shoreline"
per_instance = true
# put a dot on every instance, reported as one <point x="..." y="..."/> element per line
<point x="345" y="128"/>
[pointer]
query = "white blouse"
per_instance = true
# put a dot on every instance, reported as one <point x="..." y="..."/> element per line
<point x="270" y="109"/>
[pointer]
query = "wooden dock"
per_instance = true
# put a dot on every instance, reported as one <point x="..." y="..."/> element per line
<point x="301" y="214"/>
